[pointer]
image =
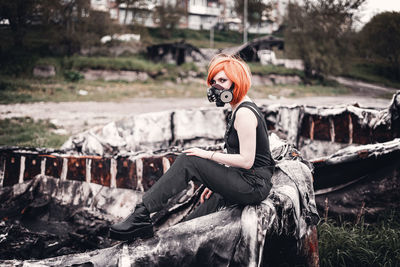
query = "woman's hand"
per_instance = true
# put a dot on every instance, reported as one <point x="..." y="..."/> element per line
<point x="198" y="152"/>
<point x="205" y="195"/>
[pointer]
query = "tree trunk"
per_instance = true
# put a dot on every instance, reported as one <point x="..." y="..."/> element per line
<point x="128" y="4"/>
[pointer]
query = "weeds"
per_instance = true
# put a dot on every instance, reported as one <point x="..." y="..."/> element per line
<point x="362" y="244"/>
<point x="26" y="132"/>
<point x="111" y="63"/>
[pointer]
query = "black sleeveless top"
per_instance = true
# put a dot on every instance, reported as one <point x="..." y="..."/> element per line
<point x="263" y="156"/>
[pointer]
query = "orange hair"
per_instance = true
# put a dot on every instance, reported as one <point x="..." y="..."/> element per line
<point x="235" y="69"/>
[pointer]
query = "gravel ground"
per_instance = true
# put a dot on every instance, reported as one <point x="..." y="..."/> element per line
<point x="74" y="117"/>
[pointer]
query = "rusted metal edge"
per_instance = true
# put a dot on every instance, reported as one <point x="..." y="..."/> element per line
<point x="351" y="164"/>
<point x="137" y="172"/>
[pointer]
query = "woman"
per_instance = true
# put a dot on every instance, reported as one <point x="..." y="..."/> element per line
<point x="240" y="176"/>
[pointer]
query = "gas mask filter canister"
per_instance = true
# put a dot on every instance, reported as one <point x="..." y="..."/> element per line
<point x="219" y="95"/>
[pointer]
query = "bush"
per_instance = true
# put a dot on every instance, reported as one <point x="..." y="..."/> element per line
<point x="380" y="40"/>
<point x="17" y="62"/>
<point x="73" y="76"/>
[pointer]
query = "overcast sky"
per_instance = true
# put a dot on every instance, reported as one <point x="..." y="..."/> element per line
<point x="373" y="7"/>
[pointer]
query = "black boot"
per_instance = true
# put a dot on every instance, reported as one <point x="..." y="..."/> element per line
<point x="138" y="224"/>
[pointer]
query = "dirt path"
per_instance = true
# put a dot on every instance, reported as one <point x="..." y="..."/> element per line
<point x="74" y="117"/>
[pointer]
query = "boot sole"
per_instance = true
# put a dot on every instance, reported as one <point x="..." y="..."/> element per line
<point x="143" y="232"/>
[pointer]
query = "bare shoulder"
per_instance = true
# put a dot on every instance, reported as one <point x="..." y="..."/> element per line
<point x="245" y="116"/>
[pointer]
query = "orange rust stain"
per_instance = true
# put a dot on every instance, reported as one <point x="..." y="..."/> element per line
<point x="312" y="245"/>
<point x="83" y="157"/>
<point x="48" y="156"/>
<point x="312" y="130"/>
<point x="317" y="161"/>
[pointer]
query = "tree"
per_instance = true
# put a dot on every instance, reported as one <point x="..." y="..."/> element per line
<point x="54" y="27"/>
<point x="257" y="10"/>
<point x="380" y="39"/>
<point x="20" y="14"/>
<point x="134" y="6"/>
<point x="168" y="16"/>
<point x="320" y="33"/>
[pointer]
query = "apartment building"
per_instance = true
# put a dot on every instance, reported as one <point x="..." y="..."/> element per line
<point x="198" y="14"/>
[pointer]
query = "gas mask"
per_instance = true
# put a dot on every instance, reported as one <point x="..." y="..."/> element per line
<point x="219" y="95"/>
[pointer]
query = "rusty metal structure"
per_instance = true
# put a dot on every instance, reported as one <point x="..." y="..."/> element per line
<point x="354" y="152"/>
<point x="289" y="212"/>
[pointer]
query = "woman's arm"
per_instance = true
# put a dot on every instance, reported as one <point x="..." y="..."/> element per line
<point x="245" y="125"/>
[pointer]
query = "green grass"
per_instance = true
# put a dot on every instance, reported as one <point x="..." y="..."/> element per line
<point x="26" y="132"/>
<point x="111" y="63"/>
<point x="373" y="73"/>
<point x="257" y="68"/>
<point x="347" y="244"/>
<point x="27" y="90"/>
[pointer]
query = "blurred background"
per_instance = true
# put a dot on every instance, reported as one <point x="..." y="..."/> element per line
<point x="69" y="65"/>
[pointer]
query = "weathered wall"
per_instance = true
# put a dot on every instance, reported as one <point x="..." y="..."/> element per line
<point x="315" y="130"/>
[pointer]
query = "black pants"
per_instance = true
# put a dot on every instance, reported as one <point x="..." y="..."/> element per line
<point x="229" y="185"/>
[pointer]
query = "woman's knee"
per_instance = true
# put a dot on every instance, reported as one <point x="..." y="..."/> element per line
<point x="182" y="160"/>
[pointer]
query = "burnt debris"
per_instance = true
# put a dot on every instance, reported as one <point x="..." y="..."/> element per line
<point x="36" y="226"/>
<point x="248" y="51"/>
<point x="234" y="235"/>
<point x="175" y="53"/>
<point x="359" y="181"/>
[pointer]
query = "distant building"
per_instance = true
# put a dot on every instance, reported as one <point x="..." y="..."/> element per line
<point x="109" y="6"/>
<point x="199" y="14"/>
